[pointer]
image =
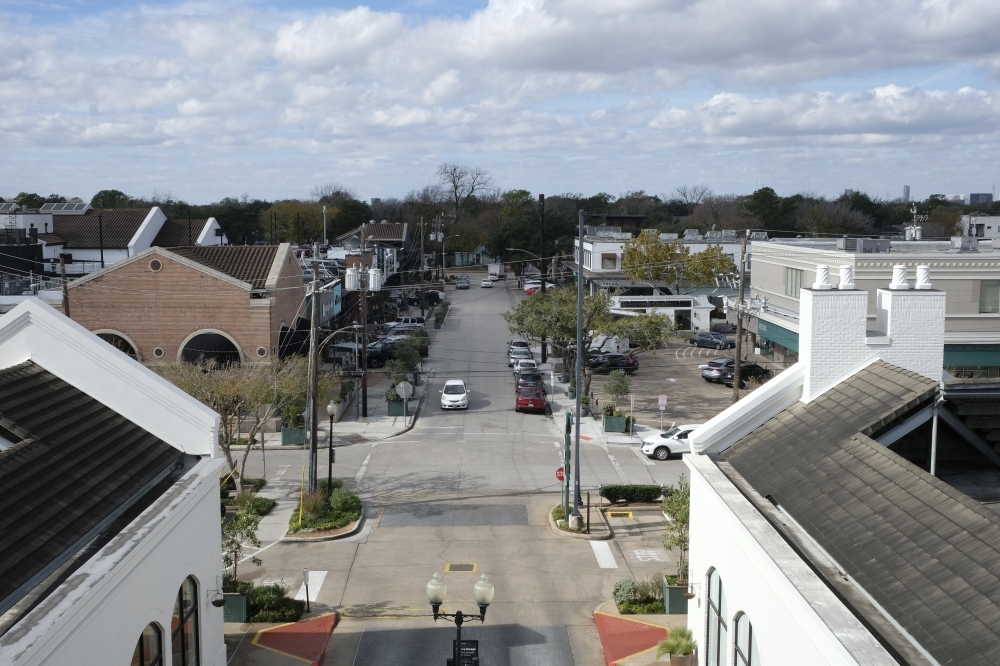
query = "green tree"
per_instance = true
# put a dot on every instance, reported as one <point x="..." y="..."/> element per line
<point x="618" y="385"/>
<point x="677" y="507"/>
<point x="29" y="200"/>
<point x="772" y="211"/>
<point x="238" y="533"/>
<point x="948" y="218"/>
<point x="646" y="258"/>
<point x="704" y="267"/>
<point x="110" y="199"/>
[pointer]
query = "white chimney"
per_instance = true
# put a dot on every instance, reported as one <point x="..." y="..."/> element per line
<point x="899" y="277"/>
<point x="831" y="336"/>
<point x="912" y="321"/>
<point x="846" y="277"/>
<point x="822" y="278"/>
<point x="923" y="277"/>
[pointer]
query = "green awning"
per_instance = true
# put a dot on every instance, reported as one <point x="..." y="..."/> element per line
<point x="778" y="335"/>
<point x="971" y="356"/>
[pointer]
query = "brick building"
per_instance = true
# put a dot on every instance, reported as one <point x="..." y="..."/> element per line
<point x="228" y="302"/>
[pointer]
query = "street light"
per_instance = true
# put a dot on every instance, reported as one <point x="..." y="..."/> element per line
<point x="436" y="591"/>
<point x="331" y="410"/>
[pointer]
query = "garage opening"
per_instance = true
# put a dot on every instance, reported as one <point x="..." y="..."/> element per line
<point x="119" y="343"/>
<point x="211" y="346"/>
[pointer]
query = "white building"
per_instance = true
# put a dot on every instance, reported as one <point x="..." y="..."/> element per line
<point x="837" y="516"/>
<point x="110" y="505"/>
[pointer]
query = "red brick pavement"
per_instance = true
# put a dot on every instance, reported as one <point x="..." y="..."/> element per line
<point x="622" y="637"/>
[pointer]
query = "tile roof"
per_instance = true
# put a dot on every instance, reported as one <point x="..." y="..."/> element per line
<point x="380" y="232"/>
<point x="929" y="555"/>
<point x="83" y="231"/>
<point x="175" y="233"/>
<point x="249" y="263"/>
<point x="75" y="462"/>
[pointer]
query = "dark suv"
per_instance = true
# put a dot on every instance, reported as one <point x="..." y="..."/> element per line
<point x="532" y="380"/>
<point x="748" y="372"/>
<point x="609" y="362"/>
<point x="712" y="340"/>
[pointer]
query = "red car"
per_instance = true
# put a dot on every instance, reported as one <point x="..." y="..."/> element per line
<point x="530" y="399"/>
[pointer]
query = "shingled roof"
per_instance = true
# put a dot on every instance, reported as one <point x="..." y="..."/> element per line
<point x="249" y="263"/>
<point x="73" y="464"/>
<point x="392" y="231"/>
<point x="926" y="553"/>
<point x="84" y="231"/>
<point x="176" y="233"/>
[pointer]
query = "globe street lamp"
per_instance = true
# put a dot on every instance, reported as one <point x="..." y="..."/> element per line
<point x="331" y="410"/>
<point x="436" y="591"/>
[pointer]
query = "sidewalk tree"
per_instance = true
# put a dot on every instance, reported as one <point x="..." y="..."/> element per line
<point x="246" y="393"/>
<point x="618" y="385"/>
<point x="677" y="507"/>
<point x="648" y="259"/>
<point x="239" y="532"/>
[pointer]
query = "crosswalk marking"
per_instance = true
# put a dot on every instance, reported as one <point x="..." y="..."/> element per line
<point x="605" y="558"/>
<point x="316" y="579"/>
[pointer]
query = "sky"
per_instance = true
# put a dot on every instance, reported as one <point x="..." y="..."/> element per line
<point x="213" y="98"/>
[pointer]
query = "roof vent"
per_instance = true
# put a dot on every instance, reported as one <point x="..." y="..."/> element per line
<point x="846" y="277"/>
<point x="923" y="277"/>
<point x="899" y="277"/>
<point x="822" y="278"/>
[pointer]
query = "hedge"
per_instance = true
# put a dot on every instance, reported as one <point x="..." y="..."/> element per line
<point x="631" y="493"/>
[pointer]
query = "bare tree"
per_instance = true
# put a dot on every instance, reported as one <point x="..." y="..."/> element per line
<point x="462" y="183"/>
<point x="722" y="211"/>
<point x="333" y="193"/>
<point x="636" y="202"/>
<point x="693" y="194"/>
<point x="390" y="209"/>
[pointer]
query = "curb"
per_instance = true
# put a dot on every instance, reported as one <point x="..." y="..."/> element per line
<point x="413" y="421"/>
<point x="290" y="538"/>
<point x="586" y="537"/>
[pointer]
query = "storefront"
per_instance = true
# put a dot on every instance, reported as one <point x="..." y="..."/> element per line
<point x="972" y="361"/>
<point x="777" y="344"/>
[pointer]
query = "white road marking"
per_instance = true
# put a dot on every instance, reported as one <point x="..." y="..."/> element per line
<point x="647" y="556"/>
<point x="281" y="472"/>
<point x="614" y="463"/>
<point x="557" y="445"/>
<point x="316" y="579"/>
<point x="259" y="551"/>
<point x="671" y="379"/>
<point x="642" y="456"/>
<point x="605" y="558"/>
<point x="364" y="466"/>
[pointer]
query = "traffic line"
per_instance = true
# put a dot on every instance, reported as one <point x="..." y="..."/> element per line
<point x="364" y="466"/>
<point x="642" y="456"/>
<point x="614" y="463"/>
<point x="316" y="579"/>
<point x="605" y="558"/>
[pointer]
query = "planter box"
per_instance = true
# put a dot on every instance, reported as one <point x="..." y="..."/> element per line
<point x="342" y="407"/>
<point x="437" y="325"/>
<point x="293" y="436"/>
<point x="235" y="609"/>
<point x="673" y="599"/>
<point x="614" y="424"/>
<point x="396" y="408"/>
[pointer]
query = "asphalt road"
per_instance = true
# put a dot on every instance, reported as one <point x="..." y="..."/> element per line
<point x="469" y="486"/>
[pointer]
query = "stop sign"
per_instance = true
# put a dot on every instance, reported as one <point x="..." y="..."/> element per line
<point x="561" y="474"/>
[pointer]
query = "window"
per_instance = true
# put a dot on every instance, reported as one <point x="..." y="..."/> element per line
<point x="989" y="296"/>
<point x="609" y="261"/>
<point x="149" y="651"/>
<point x="184" y="629"/>
<point x="793" y="282"/>
<point x="718" y="632"/>
<point x="746" y="643"/>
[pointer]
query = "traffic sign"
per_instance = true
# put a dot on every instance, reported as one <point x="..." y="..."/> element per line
<point x="404" y="389"/>
<point x="561" y="474"/>
<point x="663" y="401"/>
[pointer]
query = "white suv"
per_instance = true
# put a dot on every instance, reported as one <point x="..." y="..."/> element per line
<point x="455" y="395"/>
<point x="524" y="364"/>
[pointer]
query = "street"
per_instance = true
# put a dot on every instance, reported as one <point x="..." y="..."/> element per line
<point x="472" y="487"/>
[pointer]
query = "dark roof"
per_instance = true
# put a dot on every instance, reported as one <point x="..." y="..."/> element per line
<point x="249" y="263"/>
<point x="393" y="231"/>
<point x="929" y="555"/>
<point x="84" y="231"/>
<point x="51" y="239"/>
<point x="175" y="233"/>
<point x="74" y="465"/>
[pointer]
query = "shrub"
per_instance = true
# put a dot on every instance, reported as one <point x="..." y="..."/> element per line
<point x="257" y="483"/>
<point x="608" y="409"/>
<point x="558" y="513"/>
<point x="270" y="603"/>
<point x="680" y="642"/>
<point x="631" y="493"/>
<point x="626" y="591"/>
<point x="321" y="486"/>
<point x="648" y="608"/>
<point x="260" y="505"/>
<point x="235" y="586"/>
<point x="344" y="501"/>
<point x="650" y="590"/>
<point x="313" y="506"/>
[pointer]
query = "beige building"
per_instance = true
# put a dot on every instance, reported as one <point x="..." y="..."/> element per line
<point x="232" y="302"/>
<point x="969" y="277"/>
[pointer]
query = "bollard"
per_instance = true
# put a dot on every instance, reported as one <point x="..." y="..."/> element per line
<point x="588" y="512"/>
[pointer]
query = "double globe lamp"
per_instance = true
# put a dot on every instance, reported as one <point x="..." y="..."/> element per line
<point x="483" y="593"/>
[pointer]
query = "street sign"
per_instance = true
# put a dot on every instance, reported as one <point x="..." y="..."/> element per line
<point x="561" y="474"/>
<point x="404" y="389"/>
<point x="469" y="655"/>
<point x="663" y="401"/>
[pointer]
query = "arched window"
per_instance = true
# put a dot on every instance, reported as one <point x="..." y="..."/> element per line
<point x="149" y="649"/>
<point x="746" y="643"/>
<point x="184" y="629"/>
<point x="718" y="632"/>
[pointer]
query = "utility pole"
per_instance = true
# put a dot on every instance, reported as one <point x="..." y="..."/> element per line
<point x="325" y="240"/>
<point x="313" y="371"/>
<point x="100" y="235"/>
<point x="739" y="318"/>
<point x="65" y="286"/>
<point x="364" y="338"/>
<point x="575" y="519"/>
<point x="541" y="253"/>
<point x="421" y="267"/>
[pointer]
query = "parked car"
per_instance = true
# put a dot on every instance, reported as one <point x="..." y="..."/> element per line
<point x="664" y="444"/>
<point x="517" y="354"/>
<point x="529" y="380"/>
<point x="486" y="284"/>
<point x="530" y="399"/>
<point x="537" y="284"/>
<point x="608" y="362"/>
<point x="518" y="343"/>
<point x="524" y="364"/>
<point x="455" y="395"/>
<point x="417" y="320"/>
<point x="400" y="329"/>
<point x="748" y="372"/>
<point x="715" y="369"/>
<point x="712" y="340"/>
<point x="462" y="283"/>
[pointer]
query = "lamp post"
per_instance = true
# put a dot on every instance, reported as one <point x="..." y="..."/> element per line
<point x="436" y="591"/>
<point x="331" y="410"/>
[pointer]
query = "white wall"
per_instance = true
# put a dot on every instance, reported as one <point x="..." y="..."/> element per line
<point x="754" y="568"/>
<point x="207" y="235"/>
<point x="146" y="232"/>
<point x="98" y="613"/>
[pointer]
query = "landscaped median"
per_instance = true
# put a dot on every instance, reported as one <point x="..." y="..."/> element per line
<point x="328" y="513"/>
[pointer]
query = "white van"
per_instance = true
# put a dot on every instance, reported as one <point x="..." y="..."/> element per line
<point x="418" y="320"/>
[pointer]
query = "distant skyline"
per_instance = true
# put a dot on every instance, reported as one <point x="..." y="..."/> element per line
<point x="207" y="99"/>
